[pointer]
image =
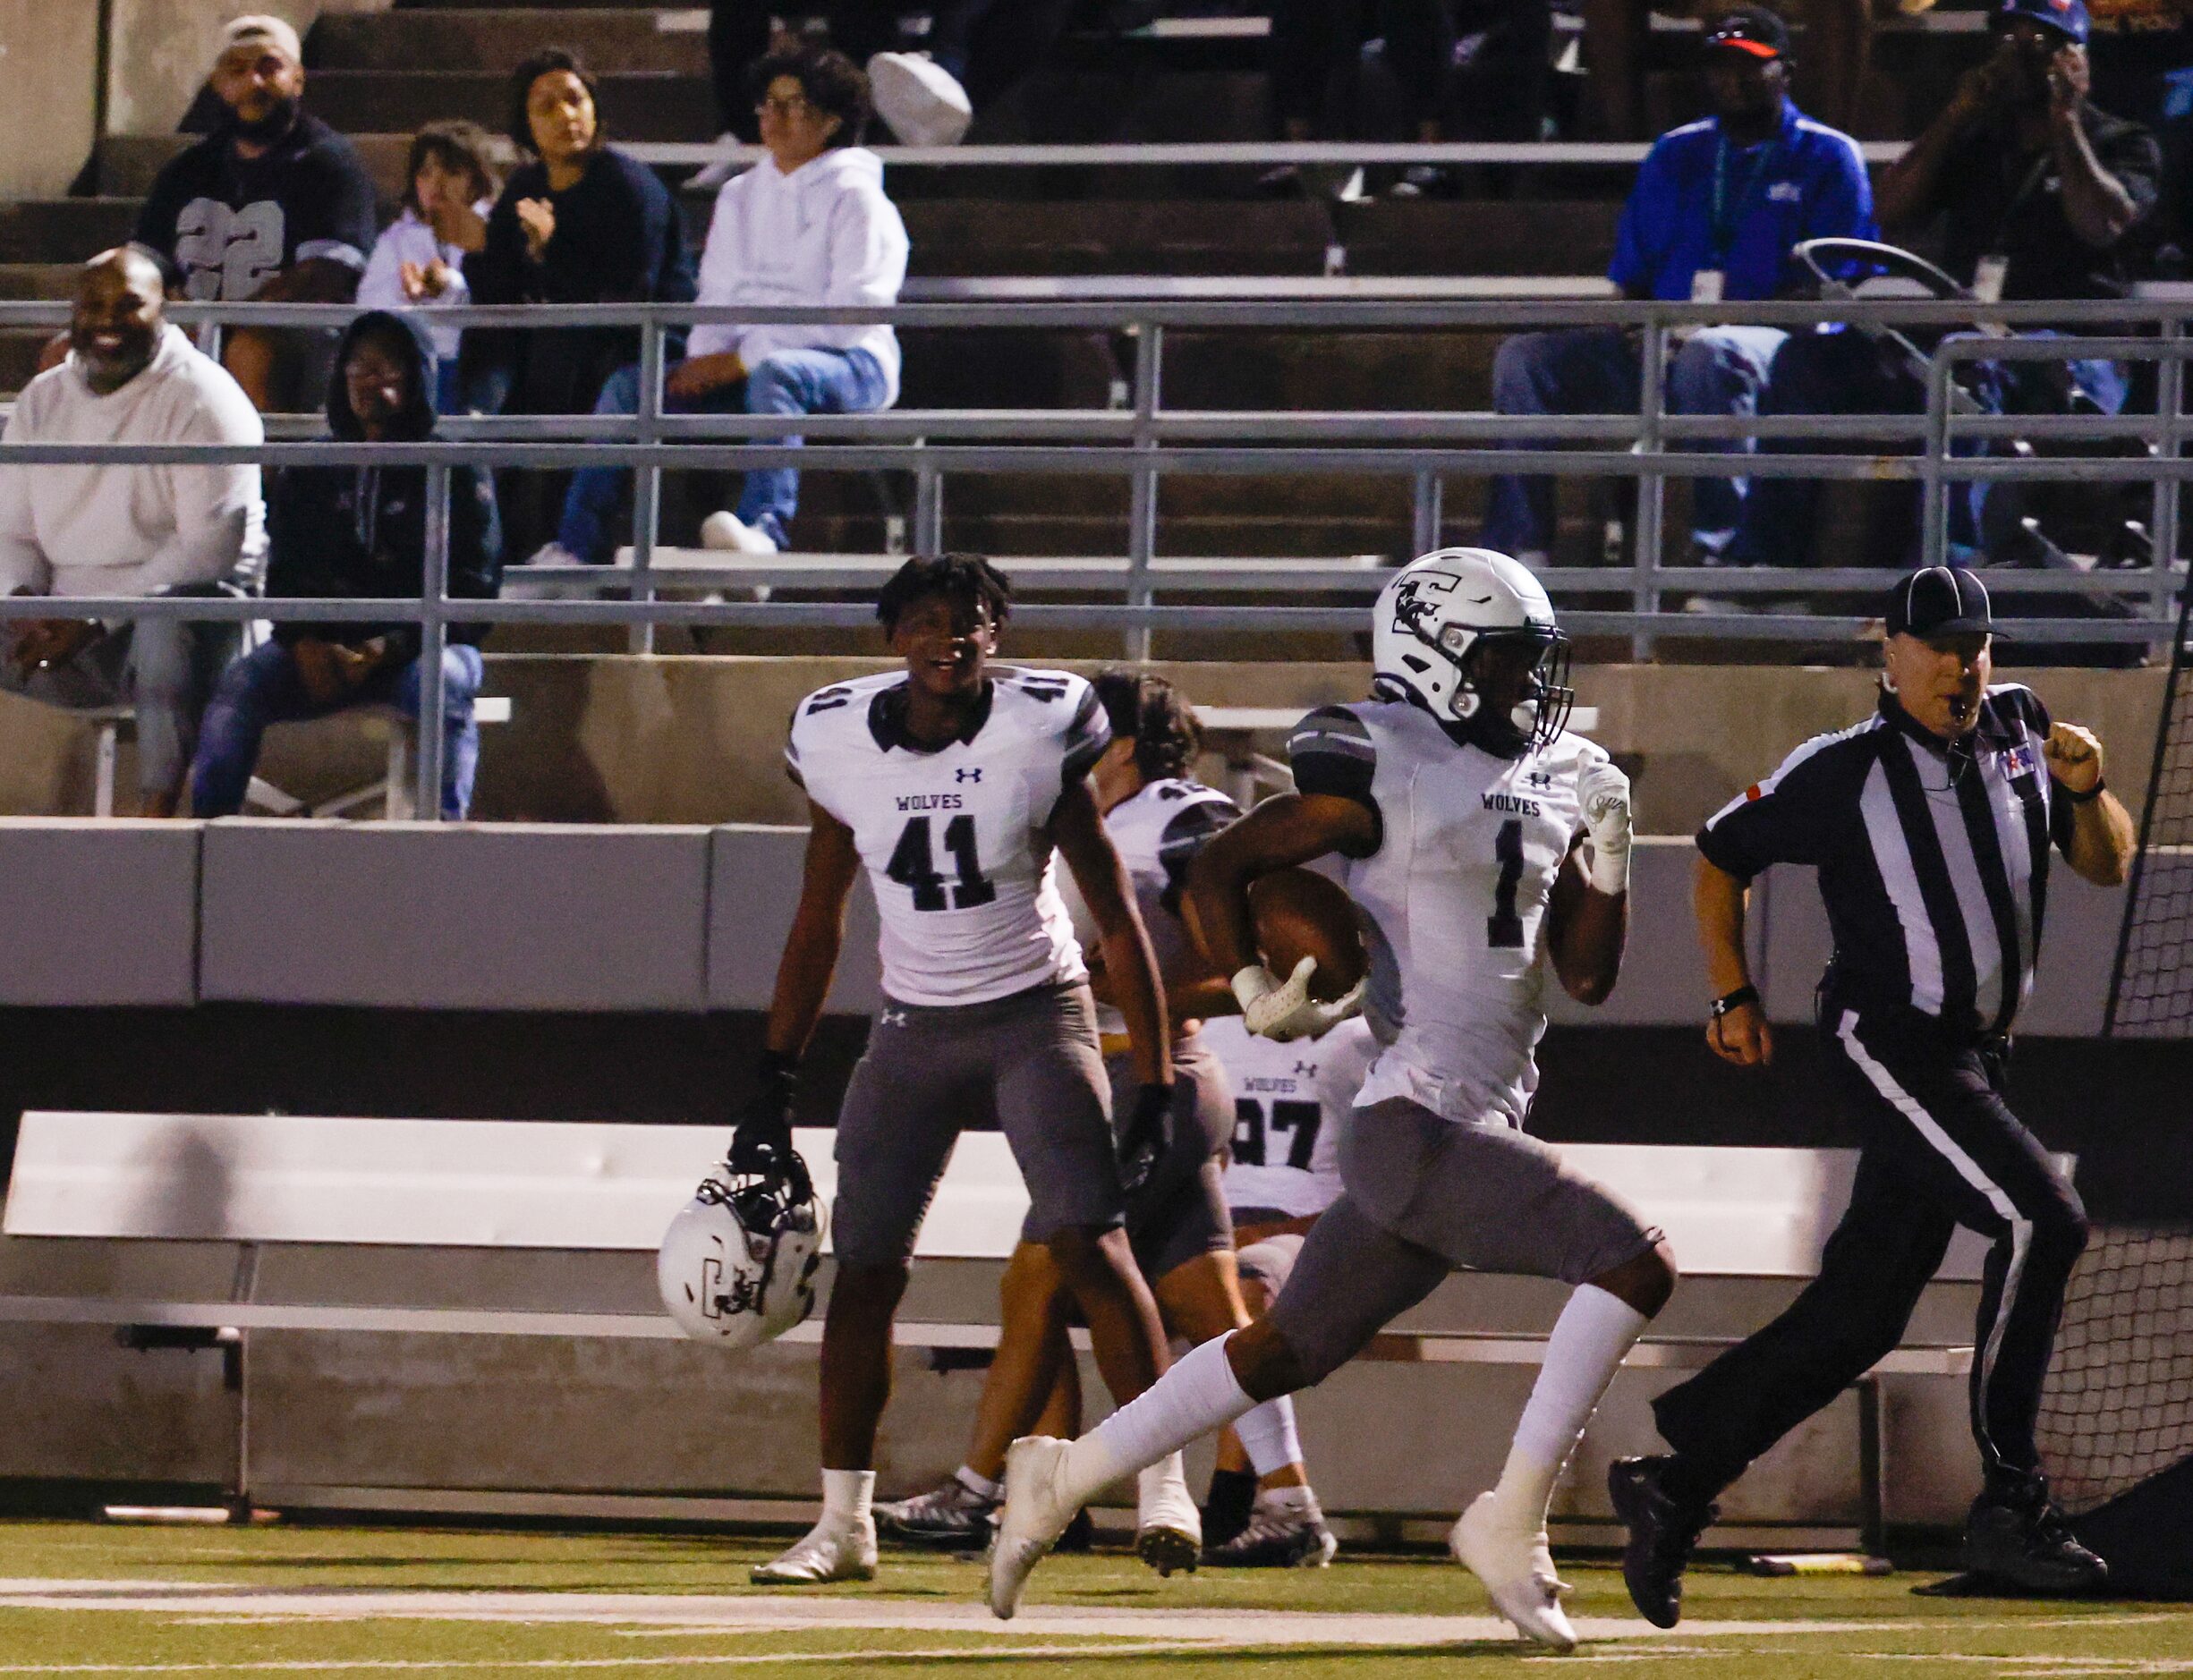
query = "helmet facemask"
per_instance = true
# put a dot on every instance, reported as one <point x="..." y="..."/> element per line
<point x="1537" y="672"/>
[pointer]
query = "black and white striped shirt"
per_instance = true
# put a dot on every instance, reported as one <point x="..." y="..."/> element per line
<point x="1933" y="858"/>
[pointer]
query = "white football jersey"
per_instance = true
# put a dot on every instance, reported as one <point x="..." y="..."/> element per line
<point x="956" y="840"/>
<point x="1157" y="831"/>
<point x="1453" y="899"/>
<point x="1292" y="1106"/>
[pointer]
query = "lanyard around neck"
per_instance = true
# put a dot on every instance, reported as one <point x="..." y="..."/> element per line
<point x="1729" y="208"/>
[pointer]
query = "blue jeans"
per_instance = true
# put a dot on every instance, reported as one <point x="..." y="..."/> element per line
<point x="264" y="688"/>
<point x="791" y="382"/>
<point x="1848" y="373"/>
<point x="1595" y="370"/>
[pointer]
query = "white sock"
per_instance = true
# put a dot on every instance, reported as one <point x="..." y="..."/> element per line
<point x="1267" y="1433"/>
<point x="1197" y="1395"/>
<point x="983" y="1486"/>
<point x="846" y="1495"/>
<point x="1156" y="1485"/>
<point x="1296" y="1502"/>
<point x="1594" y="1330"/>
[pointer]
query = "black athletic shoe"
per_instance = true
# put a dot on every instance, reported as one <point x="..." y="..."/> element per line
<point x="2020" y="1539"/>
<point x="1079" y="1534"/>
<point x="954" y="1516"/>
<point x="1662" y="1532"/>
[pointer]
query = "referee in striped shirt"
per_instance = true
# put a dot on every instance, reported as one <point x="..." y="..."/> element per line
<point x="1930" y="824"/>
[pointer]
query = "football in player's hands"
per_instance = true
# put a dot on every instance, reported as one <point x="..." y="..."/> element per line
<point x="1602" y="794"/>
<point x="1300" y="914"/>
<point x="1147" y="1133"/>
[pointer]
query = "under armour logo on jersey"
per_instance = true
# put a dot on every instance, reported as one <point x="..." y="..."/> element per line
<point x="891" y="1018"/>
<point x="1305" y="1070"/>
<point x="1539" y="778"/>
<point x="973" y="774"/>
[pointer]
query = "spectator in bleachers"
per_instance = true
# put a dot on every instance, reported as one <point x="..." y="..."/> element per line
<point x="274" y="207"/>
<point x="810" y="226"/>
<point x="1716" y="209"/>
<point x="359" y="531"/>
<point x="451" y="179"/>
<point x="102" y="529"/>
<point x="927" y="83"/>
<point x="1503" y="95"/>
<point x="580" y="222"/>
<point x="1838" y="40"/>
<point x="2042" y="195"/>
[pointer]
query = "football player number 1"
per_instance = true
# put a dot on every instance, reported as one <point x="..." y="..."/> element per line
<point x="913" y="866"/>
<point x="1504" y="927"/>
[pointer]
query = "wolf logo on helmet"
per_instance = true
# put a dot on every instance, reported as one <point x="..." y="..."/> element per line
<point x="1444" y="613"/>
<point x="737" y="1265"/>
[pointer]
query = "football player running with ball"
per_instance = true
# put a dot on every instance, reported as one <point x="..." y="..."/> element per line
<point x="1484" y="846"/>
<point x="951" y="783"/>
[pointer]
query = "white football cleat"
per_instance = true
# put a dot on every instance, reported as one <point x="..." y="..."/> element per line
<point x="1035" y="1513"/>
<point x="1168" y="1530"/>
<point x="728" y="533"/>
<point x="1517" y="1569"/>
<point x="834" y="1550"/>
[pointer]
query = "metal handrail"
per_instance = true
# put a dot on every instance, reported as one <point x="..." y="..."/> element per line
<point x="1145" y="441"/>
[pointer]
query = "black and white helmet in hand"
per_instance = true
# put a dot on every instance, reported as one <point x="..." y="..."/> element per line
<point x="737" y="1265"/>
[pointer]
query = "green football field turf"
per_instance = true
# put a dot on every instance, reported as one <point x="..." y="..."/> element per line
<point x="89" y="1600"/>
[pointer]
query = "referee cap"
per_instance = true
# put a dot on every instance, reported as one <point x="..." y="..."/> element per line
<point x="1939" y="601"/>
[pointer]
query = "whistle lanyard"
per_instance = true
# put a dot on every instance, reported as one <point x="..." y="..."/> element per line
<point x="1729" y="208"/>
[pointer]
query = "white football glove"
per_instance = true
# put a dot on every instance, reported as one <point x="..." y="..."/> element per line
<point x="1284" y="1010"/>
<point x="1604" y="793"/>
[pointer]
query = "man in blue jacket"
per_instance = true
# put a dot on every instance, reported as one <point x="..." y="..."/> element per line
<point x="361" y="531"/>
<point x="1717" y="207"/>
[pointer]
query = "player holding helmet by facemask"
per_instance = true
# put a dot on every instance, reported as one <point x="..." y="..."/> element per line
<point x="1484" y="846"/>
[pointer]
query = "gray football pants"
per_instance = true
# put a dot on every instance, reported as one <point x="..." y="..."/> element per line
<point x="1423" y="1196"/>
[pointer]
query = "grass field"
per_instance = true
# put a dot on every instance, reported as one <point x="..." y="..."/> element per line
<point x="87" y="1600"/>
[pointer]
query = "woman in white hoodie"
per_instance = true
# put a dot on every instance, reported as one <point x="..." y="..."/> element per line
<point x="809" y="227"/>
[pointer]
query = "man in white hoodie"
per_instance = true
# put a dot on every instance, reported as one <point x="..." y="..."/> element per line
<point x="809" y="227"/>
<point x="95" y="528"/>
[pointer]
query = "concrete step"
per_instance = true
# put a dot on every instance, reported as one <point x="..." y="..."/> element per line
<point x="610" y="40"/>
<point x="20" y="281"/>
<point x="652" y="107"/>
<point x="1478" y="236"/>
<point x="63" y="230"/>
<point x="963" y="237"/>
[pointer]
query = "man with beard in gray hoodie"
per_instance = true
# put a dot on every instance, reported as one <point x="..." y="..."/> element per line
<point x="809" y="227"/>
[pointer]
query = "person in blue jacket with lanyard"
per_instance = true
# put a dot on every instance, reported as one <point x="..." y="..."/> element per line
<point x="1718" y="206"/>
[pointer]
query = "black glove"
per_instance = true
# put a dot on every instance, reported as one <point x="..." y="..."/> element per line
<point x="1149" y="1130"/>
<point x="761" y="1132"/>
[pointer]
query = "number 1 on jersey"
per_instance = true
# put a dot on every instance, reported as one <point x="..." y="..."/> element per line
<point x="913" y="867"/>
<point x="1504" y="927"/>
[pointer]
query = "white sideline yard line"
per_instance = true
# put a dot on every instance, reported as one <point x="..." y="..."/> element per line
<point x="701" y="1613"/>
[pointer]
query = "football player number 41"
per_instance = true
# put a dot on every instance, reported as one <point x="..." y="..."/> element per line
<point x="913" y="866"/>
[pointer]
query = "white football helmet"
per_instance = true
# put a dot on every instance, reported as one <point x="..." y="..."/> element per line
<point x="737" y="1265"/>
<point x="1434" y="617"/>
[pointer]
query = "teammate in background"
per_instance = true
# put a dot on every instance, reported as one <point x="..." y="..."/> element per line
<point x="952" y="782"/>
<point x="1293" y="1105"/>
<point x="1463" y="808"/>
<point x="1930" y="824"/>
<point x="1176" y="1214"/>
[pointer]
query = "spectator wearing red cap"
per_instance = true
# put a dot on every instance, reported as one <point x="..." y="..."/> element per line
<point x="1839" y="38"/>
<point x="1716" y="209"/>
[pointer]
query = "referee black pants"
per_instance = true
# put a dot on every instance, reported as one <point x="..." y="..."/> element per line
<point x="1940" y="1149"/>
